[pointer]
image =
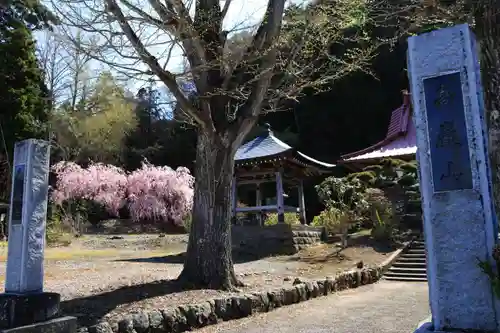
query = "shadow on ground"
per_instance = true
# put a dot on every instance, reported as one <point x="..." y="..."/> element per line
<point x="238" y="258"/>
<point x="366" y="240"/>
<point x="90" y="310"/>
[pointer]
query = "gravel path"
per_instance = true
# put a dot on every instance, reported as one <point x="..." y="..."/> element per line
<point x="389" y="307"/>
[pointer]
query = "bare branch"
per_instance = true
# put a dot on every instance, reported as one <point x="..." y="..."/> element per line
<point x="227" y="3"/>
<point x="167" y="77"/>
<point x="248" y="114"/>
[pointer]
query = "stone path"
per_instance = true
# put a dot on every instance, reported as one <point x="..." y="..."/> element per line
<point x="384" y="307"/>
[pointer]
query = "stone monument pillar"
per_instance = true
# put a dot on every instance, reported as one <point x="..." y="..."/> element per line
<point x="455" y="181"/>
<point x="25" y="305"/>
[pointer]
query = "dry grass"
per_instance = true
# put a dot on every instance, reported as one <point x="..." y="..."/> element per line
<point x="327" y="259"/>
<point x="89" y="254"/>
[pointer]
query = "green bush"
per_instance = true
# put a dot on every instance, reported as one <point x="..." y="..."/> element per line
<point x="335" y="221"/>
<point x="187" y="222"/>
<point x="380" y="218"/>
<point x="383" y="230"/>
<point x="57" y="232"/>
<point x="377" y="202"/>
<point x="328" y="218"/>
<point x="290" y="218"/>
<point x="398" y="180"/>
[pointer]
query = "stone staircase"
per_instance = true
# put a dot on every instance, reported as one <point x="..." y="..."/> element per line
<point x="410" y="265"/>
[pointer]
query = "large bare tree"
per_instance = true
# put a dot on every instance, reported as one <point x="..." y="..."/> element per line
<point x="487" y="28"/>
<point x="280" y="60"/>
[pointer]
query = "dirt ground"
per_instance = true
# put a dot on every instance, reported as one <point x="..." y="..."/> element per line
<point x="104" y="276"/>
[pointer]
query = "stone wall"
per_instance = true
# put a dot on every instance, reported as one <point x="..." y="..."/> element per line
<point x="280" y="239"/>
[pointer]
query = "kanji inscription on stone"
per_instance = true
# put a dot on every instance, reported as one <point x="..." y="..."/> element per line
<point x="451" y="168"/>
<point x="447" y="136"/>
<point x="18" y="193"/>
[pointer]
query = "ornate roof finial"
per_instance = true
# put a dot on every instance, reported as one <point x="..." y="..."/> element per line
<point x="268" y="127"/>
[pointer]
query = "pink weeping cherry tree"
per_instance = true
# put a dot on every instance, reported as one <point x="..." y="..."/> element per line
<point x="156" y="193"/>
<point x="159" y="193"/>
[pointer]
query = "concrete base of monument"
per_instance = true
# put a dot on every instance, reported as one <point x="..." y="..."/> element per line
<point x="57" y="325"/>
<point x="427" y="327"/>
<point x="27" y="309"/>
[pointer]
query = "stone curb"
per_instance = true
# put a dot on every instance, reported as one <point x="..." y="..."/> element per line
<point x="188" y="317"/>
<point x="386" y="264"/>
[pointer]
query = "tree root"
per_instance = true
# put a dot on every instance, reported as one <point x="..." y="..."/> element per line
<point x="188" y="280"/>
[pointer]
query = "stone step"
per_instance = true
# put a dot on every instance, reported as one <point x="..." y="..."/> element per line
<point x="421" y="259"/>
<point x="413" y="250"/>
<point x="410" y="264"/>
<point x="402" y="274"/>
<point x="417" y="270"/>
<point x="413" y="255"/>
<point x="405" y="278"/>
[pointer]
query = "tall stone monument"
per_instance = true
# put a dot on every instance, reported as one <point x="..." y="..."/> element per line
<point x="459" y="218"/>
<point x="25" y="305"/>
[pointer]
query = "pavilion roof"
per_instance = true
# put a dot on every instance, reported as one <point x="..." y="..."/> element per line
<point x="268" y="147"/>
<point x="399" y="141"/>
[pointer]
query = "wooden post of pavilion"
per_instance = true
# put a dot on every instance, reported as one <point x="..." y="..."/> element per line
<point x="258" y="202"/>
<point x="302" y="203"/>
<point x="280" y="202"/>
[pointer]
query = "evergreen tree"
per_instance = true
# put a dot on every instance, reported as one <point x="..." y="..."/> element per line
<point x="23" y="95"/>
<point x="157" y="138"/>
<point x="31" y="12"/>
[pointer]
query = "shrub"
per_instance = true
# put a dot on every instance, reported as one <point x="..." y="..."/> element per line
<point x="382" y="229"/>
<point x="290" y="218"/>
<point x="328" y="218"/>
<point x="335" y="222"/>
<point x="187" y="221"/>
<point x="342" y="193"/>
<point x="344" y="199"/>
<point x="377" y="202"/>
<point x="58" y="232"/>
<point x="399" y="182"/>
<point x="380" y="215"/>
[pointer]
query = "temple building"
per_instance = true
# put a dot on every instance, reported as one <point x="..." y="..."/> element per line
<point x="267" y="159"/>
<point x="399" y="142"/>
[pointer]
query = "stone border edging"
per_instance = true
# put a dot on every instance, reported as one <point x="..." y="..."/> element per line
<point x="187" y="317"/>
<point x="386" y="264"/>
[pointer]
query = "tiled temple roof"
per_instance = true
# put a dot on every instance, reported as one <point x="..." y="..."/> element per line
<point x="268" y="146"/>
<point x="399" y="141"/>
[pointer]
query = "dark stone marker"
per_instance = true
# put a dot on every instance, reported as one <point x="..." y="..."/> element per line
<point x="57" y="325"/>
<point x="25" y="309"/>
<point x="451" y="168"/>
<point x="17" y="198"/>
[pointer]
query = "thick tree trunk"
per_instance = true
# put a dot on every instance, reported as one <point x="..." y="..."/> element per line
<point x="209" y="261"/>
<point x="487" y="21"/>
